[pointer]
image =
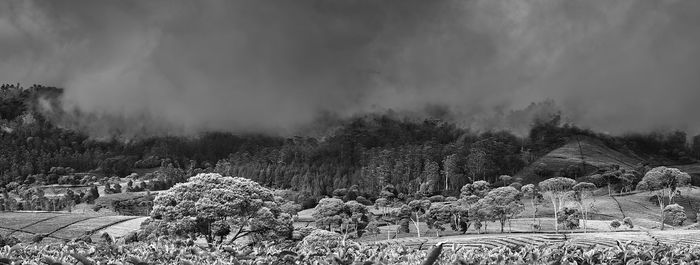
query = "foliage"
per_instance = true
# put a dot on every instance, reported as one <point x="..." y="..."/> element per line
<point x="478" y="188"/>
<point x="321" y="238"/>
<point x="664" y="183"/>
<point x="675" y="214"/>
<point x="334" y="215"/>
<point x="580" y="192"/>
<point x="568" y="218"/>
<point x="628" y="222"/>
<point x="165" y="251"/>
<point x="556" y="189"/>
<point x="415" y="211"/>
<point x="213" y="206"/>
<point x="614" y="224"/>
<point x="502" y="204"/>
<point x="531" y="192"/>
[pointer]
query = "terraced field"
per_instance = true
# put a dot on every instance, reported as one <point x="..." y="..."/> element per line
<point x="609" y="239"/>
<point x="674" y="237"/>
<point x="62" y="226"/>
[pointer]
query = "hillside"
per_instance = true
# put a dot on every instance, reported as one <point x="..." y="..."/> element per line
<point x="584" y="152"/>
<point x="64" y="226"/>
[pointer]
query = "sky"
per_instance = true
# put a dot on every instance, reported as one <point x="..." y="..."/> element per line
<point x="276" y="65"/>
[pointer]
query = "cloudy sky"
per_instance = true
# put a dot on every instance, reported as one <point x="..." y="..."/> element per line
<point x="271" y="65"/>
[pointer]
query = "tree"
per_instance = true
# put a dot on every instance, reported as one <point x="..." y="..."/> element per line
<point x="530" y="191"/>
<point x="476" y="162"/>
<point x="556" y="189"/>
<point x="356" y="218"/>
<point x="581" y="192"/>
<point x="503" y="203"/>
<point x="329" y="213"/>
<point x="213" y="206"/>
<point x="450" y="168"/>
<point x="347" y="217"/>
<point x="431" y="173"/>
<point x="664" y="183"/>
<point x="675" y="214"/>
<point x="479" y="188"/>
<point x="290" y="208"/>
<point x="439" y="216"/>
<point x="415" y="211"/>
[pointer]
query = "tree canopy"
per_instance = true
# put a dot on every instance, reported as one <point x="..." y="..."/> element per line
<point x="213" y="206"/>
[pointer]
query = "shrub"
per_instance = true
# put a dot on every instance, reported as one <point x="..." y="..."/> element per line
<point x="363" y="200"/>
<point x="628" y="222"/>
<point x="321" y="238"/>
<point x="302" y="232"/>
<point x="675" y="214"/>
<point x="8" y="241"/>
<point x="614" y="224"/>
<point x="568" y="218"/>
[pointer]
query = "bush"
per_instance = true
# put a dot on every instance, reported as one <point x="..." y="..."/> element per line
<point x="628" y="222"/>
<point x="321" y="238"/>
<point x="363" y="200"/>
<point x="614" y="224"/>
<point x="675" y="214"/>
<point x="451" y="199"/>
<point x="516" y="185"/>
<point x="8" y="241"/>
<point x="302" y="232"/>
<point x="569" y="218"/>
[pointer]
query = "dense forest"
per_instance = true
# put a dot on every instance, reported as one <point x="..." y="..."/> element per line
<point x="365" y="153"/>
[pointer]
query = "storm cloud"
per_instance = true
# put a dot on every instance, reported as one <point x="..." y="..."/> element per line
<point x="272" y="66"/>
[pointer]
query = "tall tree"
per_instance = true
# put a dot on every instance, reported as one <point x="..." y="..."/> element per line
<point x="476" y="162"/>
<point x="556" y="189"/>
<point x="416" y="211"/>
<point x="450" y="168"/>
<point x="530" y="191"/>
<point x="581" y="192"/>
<point x="664" y="183"/>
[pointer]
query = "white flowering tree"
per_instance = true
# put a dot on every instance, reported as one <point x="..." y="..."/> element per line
<point x="214" y="206"/>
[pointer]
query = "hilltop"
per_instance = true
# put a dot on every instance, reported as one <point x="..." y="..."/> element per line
<point x="582" y="153"/>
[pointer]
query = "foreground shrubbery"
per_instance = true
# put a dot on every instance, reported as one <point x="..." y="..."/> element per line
<point x="180" y="252"/>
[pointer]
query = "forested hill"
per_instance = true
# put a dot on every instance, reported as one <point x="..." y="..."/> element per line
<point x="364" y="153"/>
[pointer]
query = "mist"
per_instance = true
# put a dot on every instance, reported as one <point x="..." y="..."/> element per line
<point x="272" y="66"/>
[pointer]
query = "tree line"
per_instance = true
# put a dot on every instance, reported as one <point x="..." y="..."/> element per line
<point x="416" y="156"/>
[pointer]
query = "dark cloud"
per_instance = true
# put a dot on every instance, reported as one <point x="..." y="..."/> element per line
<point x="252" y="65"/>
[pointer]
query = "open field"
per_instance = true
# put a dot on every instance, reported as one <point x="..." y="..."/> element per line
<point x="60" y="226"/>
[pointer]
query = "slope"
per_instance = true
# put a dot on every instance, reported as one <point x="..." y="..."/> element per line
<point x="584" y="152"/>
